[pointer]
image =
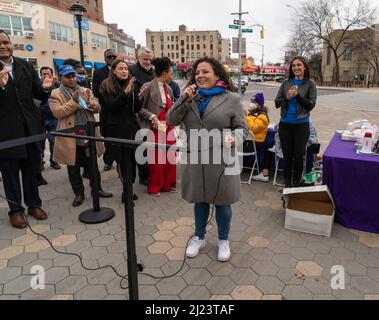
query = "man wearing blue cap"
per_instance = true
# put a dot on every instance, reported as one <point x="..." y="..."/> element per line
<point x="75" y="106"/>
<point x="20" y="118"/>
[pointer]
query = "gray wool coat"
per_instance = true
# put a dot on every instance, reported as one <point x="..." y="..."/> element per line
<point x="200" y="181"/>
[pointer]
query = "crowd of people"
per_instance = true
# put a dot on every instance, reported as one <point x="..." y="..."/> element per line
<point x="142" y="96"/>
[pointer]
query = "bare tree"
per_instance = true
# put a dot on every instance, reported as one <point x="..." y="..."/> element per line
<point x="331" y="22"/>
<point x="367" y="45"/>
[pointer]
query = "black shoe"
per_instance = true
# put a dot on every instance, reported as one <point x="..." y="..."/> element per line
<point x="85" y="175"/>
<point x="108" y="167"/>
<point x="135" y="198"/>
<point x="144" y="181"/>
<point x="41" y="181"/>
<point x="78" y="201"/>
<point x="103" y="194"/>
<point x="55" y="165"/>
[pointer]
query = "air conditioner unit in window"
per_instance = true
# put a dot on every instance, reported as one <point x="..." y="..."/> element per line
<point x="29" y="35"/>
<point x="72" y="42"/>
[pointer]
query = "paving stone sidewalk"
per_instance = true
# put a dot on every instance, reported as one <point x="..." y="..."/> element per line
<point x="268" y="262"/>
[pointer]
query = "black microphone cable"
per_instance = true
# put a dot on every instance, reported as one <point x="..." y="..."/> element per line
<point x="123" y="278"/>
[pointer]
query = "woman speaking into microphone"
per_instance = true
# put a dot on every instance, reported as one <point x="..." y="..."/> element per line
<point x="209" y="105"/>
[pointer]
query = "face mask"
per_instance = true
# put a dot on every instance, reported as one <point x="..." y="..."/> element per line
<point x="81" y="78"/>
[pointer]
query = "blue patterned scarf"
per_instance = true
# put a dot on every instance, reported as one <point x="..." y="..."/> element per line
<point x="205" y="97"/>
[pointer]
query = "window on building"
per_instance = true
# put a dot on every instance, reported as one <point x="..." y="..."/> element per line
<point x="182" y="43"/>
<point x="198" y="54"/>
<point x="168" y="47"/>
<point x="211" y="38"/>
<point x="192" y="38"/>
<point x="99" y="41"/>
<point x="177" y="47"/>
<point x="177" y="55"/>
<point x="60" y="32"/>
<point x="329" y="56"/>
<point x="85" y="37"/>
<point x="152" y="39"/>
<point x="348" y="54"/>
<point x="192" y="47"/>
<point x="192" y="54"/>
<point x="15" y="25"/>
<point x="172" y="38"/>
<point x="211" y="46"/>
<point x="198" y="38"/>
<point x="188" y="46"/>
<point x="168" y="38"/>
<point x="204" y="38"/>
<point x="204" y="46"/>
<point x="176" y="38"/>
<point x="183" y="60"/>
<point x="198" y="47"/>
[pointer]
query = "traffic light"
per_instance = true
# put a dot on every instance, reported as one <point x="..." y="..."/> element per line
<point x="262" y="33"/>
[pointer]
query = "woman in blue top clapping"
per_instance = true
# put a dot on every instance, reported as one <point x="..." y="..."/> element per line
<point x="296" y="99"/>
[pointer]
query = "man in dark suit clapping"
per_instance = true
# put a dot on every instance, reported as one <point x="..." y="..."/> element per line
<point x="20" y="118"/>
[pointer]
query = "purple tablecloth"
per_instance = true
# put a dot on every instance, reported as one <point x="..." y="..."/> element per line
<point x="354" y="182"/>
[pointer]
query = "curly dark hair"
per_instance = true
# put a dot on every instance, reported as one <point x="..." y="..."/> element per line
<point x="218" y="69"/>
<point x="306" y="71"/>
<point x="161" y="65"/>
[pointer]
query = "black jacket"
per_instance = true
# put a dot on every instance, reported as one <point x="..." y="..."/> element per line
<point x="19" y="116"/>
<point x="306" y="99"/>
<point x="98" y="77"/>
<point x="121" y="121"/>
<point x="142" y="75"/>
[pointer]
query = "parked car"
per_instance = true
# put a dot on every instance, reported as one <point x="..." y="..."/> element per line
<point x="280" y="78"/>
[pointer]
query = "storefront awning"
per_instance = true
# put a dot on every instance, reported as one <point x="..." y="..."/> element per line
<point x="58" y="62"/>
<point x="99" y="65"/>
<point x="88" y="64"/>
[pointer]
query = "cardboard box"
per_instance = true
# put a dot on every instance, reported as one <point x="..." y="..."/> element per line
<point x="310" y="210"/>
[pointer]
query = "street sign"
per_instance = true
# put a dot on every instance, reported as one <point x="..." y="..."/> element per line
<point x="237" y="22"/>
<point x="235" y="45"/>
<point x="247" y="30"/>
<point x="232" y="26"/>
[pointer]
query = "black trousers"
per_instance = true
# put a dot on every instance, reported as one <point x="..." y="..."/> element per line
<point x="74" y="175"/>
<point x="106" y="158"/>
<point x="248" y="147"/>
<point x="293" y="139"/>
<point x="10" y="170"/>
<point x="129" y="160"/>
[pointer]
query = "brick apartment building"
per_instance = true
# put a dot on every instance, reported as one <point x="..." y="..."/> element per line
<point x="94" y="7"/>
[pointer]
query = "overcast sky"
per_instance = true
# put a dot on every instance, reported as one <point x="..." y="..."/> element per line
<point x="134" y="16"/>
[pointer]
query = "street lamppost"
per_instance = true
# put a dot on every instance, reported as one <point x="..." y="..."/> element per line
<point x="78" y="11"/>
<point x="263" y="54"/>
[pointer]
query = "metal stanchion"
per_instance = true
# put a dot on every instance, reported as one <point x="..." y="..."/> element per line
<point x="128" y="152"/>
<point x="95" y="215"/>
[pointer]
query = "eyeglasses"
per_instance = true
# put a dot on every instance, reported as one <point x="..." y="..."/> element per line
<point x="111" y="57"/>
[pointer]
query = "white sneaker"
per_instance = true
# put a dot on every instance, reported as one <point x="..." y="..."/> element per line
<point x="223" y="251"/>
<point x="195" y="247"/>
<point x="262" y="178"/>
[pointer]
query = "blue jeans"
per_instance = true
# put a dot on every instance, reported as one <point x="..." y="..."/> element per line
<point x="223" y="218"/>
